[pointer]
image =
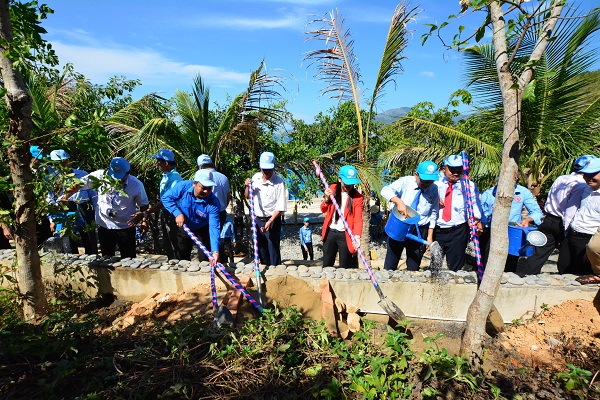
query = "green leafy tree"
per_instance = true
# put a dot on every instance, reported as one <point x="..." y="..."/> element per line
<point x="21" y="47"/>
<point x="521" y="33"/>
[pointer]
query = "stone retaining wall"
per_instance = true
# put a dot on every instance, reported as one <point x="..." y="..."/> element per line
<point x="418" y="294"/>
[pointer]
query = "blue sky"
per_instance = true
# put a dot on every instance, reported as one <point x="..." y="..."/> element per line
<point x="166" y="43"/>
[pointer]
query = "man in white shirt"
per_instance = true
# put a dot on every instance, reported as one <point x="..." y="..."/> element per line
<point x="418" y="192"/>
<point x="116" y="211"/>
<point x="452" y="227"/>
<point x="562" y="203"/>
<point x="572" y="258"/>
<point x="269" y="204"/>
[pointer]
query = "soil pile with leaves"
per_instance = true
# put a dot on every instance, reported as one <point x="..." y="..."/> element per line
<point x="168" y="347"/>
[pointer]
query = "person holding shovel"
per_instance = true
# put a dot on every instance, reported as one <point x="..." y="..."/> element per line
<point x="418" y="191"/>
<point x="335" y="237"/>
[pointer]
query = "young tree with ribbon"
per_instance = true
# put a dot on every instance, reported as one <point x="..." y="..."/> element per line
<point x="255" y="243"/>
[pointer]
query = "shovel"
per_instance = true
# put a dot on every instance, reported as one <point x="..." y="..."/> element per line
<point x="435" y="250"/>
<point x="390" y="308"/>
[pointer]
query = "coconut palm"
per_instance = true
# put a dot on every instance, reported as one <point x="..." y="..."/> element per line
<point x="336" y="65"/>
<point x="558" y="114"/>
<point x="188" y="129"/>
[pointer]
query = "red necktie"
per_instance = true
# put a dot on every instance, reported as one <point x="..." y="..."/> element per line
<point x="447" y="214"/>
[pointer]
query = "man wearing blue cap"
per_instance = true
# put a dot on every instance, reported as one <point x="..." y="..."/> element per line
<point x="269" y="205"/>
<point x="585" y="223"/>
<point x="522" y="197"/>
<point x="80" y="202"/>
<point x="165" y="162"/>
<point x="419" y="192"/>
<point x="193" y="203"/>
<point x="452" y="227"/>
<point x="221" y="189"/>
<point x="561" y="204"/>
<point x="116" y="208"/>
<point x="306" y="240"/>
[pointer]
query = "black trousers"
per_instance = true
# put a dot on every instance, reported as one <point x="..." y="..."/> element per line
<point x="186" y="244"/>
<point x="310" y="252"/>
<point x="238" y="227"/>
<point x="88" y="233"/>
<point x="484" y="243"/>
<point x="111" y="238"/>
<point x="572" y="251"/>
<point x="553" y="228"/>
<point x="335" y="241"/>
<point x="227" y="257"/>
<point x="170" y="233"/>
<point x="414" y="251"/>
<point x="43" y="231"/>
<point x="269" y="242"/>
<point x="453" y="242"/>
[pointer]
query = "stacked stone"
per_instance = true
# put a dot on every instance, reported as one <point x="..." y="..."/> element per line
<point x="290" y="268"/>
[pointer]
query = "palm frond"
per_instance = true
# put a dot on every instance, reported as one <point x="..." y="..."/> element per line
<point x="396" y="43"/>
<point x="336" y="63"/>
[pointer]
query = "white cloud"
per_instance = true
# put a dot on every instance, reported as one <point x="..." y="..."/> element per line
<point x="99" y="63"/>
<point x="429" y="74"/>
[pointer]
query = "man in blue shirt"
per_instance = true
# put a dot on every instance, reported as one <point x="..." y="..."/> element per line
<point x="80" y="202"/>
<point x="228" y="241"/>
<point x="193" y="203"/>
<point x="306" y="240"/>
<point x="522" y="198"/>
<point x="165" y="162"/>
<point x="418" y="192"/>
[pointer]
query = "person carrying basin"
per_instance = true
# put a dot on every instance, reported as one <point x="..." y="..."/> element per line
<point x="418" y="191"/>
<point x="334" y="235"/>
<point x="522" y="198"/>
<point x="452" y="227"/>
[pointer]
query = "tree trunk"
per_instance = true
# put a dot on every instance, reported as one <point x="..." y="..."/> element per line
<point x="19" y="130"/>
<point x="479" y="309"/>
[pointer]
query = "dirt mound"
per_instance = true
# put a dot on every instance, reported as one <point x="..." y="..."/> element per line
<point x="544" y="340"/>
<point x="288" y="291"/>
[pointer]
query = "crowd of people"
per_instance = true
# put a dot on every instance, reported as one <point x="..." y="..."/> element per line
<point x="446" y="206"/>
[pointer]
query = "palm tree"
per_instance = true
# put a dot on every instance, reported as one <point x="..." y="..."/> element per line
<point x="189" y="129"/>
<point x="336" y="64"/>
<point x="558" y="115"/>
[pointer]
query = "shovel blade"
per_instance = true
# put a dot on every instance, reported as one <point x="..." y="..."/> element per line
<point x="391" y="309"/>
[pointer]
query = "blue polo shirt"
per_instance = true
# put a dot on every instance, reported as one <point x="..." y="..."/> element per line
<point x="198" y="212"/>
<point x="305" y="235"/>
<point x="522" y="197"/>
<point x="169" y="180"/>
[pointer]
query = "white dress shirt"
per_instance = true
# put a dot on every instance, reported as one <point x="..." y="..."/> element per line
<point x="269" y="196"/>
<point x="406" y="189"/>
<point x="459" y="204"/>
<point x="587" y="217"/>
<point x="564" y="197"/>
<point x="122" y="206"/>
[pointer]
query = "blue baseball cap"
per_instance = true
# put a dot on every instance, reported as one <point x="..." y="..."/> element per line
<point x="203" y="159"/>
<point x="592" y="167"/>
<point x="36" y="152"/>
<point x="204" y="177"/>
<point x="453" y="160"/>
<point x="58" y="155"/>
<point x="306" y="219"/>
<point x="349" y="175"/>
<point x="267" y="160"/>
<point x="165" y="154"/>
<point x="581" y="162"/>
<point x="427" y="170"/>
<point x="118" y="168"/>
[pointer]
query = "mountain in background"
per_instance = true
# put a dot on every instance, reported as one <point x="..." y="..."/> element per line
<point x="389" y="116"/>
